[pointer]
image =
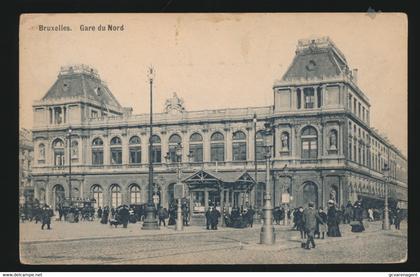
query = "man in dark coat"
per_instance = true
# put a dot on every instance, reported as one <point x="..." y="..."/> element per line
<point x="309" y="218"/>
<point x="208" y="218"/>
<point x="185" y="214"/>
<point x="333" y="220"/>
<point x="348" y="213"/>
<point x="397" y="218"/>
<point x="105" y="215"/>
<point x="123" y="215"/>
<point x="299" y="223"/>
<point x="357" y="225"/>
<point x="250" y="216"/>
<point x="99" y="212"/>
<point x="215" y="214"/>
<point x="46" y="217"/>
<point x="162" y="216"/>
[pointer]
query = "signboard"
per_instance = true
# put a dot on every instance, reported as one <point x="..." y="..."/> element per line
<point x="285" y="198"/>
<point x="178" y="190"/>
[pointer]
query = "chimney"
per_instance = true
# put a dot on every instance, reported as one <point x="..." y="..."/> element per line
<point x="354" y="74"/>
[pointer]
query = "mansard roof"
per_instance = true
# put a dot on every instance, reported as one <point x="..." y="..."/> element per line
<point x="83" y="81"/>
<point x="316" y="58"/>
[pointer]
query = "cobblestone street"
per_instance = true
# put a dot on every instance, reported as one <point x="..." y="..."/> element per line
<point x="94" y="243"/>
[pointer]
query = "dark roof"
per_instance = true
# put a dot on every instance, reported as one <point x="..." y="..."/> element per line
<point x="81" y="84"/>
<point x="316" y="61"/>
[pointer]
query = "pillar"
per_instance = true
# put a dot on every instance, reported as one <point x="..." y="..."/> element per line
<point x="191" y="204"/>
<point x="106" y="150"/>
<point x="222" y="207"/>
<point x="206" y="147"/>
<point x="315" y="98"/>
<point x="206" y="199"/>
<point x="125" y="150"/>
<point x="228" y="144"/>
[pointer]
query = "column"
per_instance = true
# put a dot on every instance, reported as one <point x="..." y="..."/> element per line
<point x="186" y="146"/>
<point x="124" y="146"/>
<point x="228" y="144"/>
<point x="206" y="146"/>
<point x="206" y="199"/>
<point x="144" y="149"/>
<point x="316" y="97"/>
<point x="191" y="204"/>
<point x="251" y="144"/>
<point x="222" y="207"/>
<point x="293" y="104"/>
<point x="48" y="193"/>
<point x="164" y="144"/>
<point x="53" y="115"/>
<point x="106" y="150"/>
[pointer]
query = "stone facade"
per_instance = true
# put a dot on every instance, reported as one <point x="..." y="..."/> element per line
<point x="324" y="147"/>
<point x="26" y="158"/>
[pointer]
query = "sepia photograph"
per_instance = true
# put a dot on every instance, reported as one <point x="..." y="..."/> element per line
<point x="213" y="138"/>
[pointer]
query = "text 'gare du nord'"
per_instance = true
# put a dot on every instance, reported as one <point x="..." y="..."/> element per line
<point x="323" y="145"/>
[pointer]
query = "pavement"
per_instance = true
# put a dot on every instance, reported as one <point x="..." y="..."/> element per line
<point x="95" y="243"/>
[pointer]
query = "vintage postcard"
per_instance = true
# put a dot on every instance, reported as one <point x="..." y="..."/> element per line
<point x="272" y="138"/>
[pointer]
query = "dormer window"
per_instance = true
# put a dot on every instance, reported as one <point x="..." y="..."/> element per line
<point x="311" y="65"/>
<point x="65" y="86"/>
<point x="98" y="91"/>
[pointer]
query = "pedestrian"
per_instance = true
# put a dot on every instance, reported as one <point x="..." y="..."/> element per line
<point x="299" y="222"/>
<point x="185" y="214"/>
<point x="99" y="212"/>
<point x="208" y="218"/>
<point x="46" y="217"/>
<point x="105" y="215"/>
<point x="357" y="223"/>
<point x="397" y="218"/>
<point x="215" y="214"/>
<point x="332" y="220"/>
<point x="123" y="215"/>
<point x="309" y="219"/>
<point x="113" y="212"/>
<point x="370" y="213"/>
<point x="321" y="224"/>
<point x="348" y="212"/>
<point x="250" y="216"/>
<point x="162" y="216"/>
<point x="172" y="215"/>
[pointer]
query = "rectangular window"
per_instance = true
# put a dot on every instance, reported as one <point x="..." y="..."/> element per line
<point x="260" y="150"/>
<point x="217" y="152"/>
<point x="350" y="149"/>
<point x="94" y="114"/>
<point x="135" y="155"/>
<point x="309" y="149"/>
<point x="349" y="104"/>
<point x="309" y="98"/>
<point x="156" y="154"/>
<point x="359" y="111"/>
<point x="363" y="114"/>
<point x="239" y="151"/>
<point x="116" y="156"/>
<point x="97" y="157"/>
<point x="299" y="99"/>
<point x="319" y="95"/>
<point x="196" y="151"/>
<point x="354" y="105"/>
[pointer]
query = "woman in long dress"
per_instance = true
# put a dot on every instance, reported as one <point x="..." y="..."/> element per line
<point x="333" y="220"/>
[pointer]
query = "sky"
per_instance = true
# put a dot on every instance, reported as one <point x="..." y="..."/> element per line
<point x="215" y="60"/>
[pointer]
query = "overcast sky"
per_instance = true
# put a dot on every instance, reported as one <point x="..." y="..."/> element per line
<point x="216" y="60"/>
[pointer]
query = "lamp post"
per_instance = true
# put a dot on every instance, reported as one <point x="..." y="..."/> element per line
<point x="285" y="192"/>
<point x="150" y="221"/>
<point x="385" y="223"/>
<point x="267" y="234"/>
<point x="70" y="188"/>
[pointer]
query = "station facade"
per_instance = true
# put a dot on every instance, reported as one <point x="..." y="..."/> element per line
<point x="324" y="146"/>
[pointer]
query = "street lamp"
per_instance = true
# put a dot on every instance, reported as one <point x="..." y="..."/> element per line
<point x="150" y="221"/>
<point x="179" y="226"/>
<point x="70" y="188"/>
<point x="385" y="223"/>
<point x="267" y="234"/>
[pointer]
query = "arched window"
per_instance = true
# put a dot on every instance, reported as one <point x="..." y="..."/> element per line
<point x="217" y="147"/>
<point x="259" y="145"/>
<point x="196" y="147"/>
<point x="239" y="146"/>
<point x="156" y="149"/>
<point x="135" y="150"/>
<point x="74" y="150"/>
<point x="98" y="196"/>
<point x="116" y="151"/>
<point x="135" y="194"/>
<point x="41" y="152"/>
<point x="284" y="141"/>
<point x="115" y="195"/>
<point x="332" y="137"/>
<point x="97" y="152"/>
<point x="58" y="147"/>
<point x="309" y="139"/>
<point x="174" y="140"/>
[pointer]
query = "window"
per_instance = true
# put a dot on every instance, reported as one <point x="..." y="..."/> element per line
<point x="174" y="140"/>
<point x="156" y="149"/>
<point x="98" y="196"/>
<point x="41" y="152"/>
<point x="239" y="146"/>
<point x="196" y="147"/>
<point x="93" y="114"/>
<point x="116" y="151"/>
<point x="58" y="146"/>
<point x="354" y="105"/>
<point x="74" y="150"/>
<point x="135" y="150"/>
<point x="259" y="145"/>
<point x="359" y="113"/>
<point x="58" y="115"/>
<point x="217" y="147"/>
<point x="309" y="139"/>
<point x="115" y="195"/>
<point x="135" y="194"/>
<point x="97" y="152"/>
<point x="349" y="104"/>
<point x="363" y="114"/>
<point x="309" y="97"/>
<point x="350" y="150"/>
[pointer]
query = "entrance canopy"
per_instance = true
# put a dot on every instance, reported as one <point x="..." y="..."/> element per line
<point x="239" y="181"/>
